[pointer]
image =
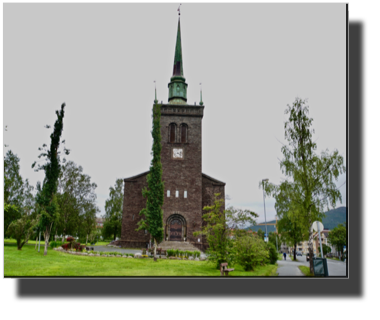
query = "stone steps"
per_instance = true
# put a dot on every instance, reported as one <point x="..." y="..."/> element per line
<point x="180" y="245"/>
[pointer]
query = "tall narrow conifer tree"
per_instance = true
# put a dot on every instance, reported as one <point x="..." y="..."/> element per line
<point x="46" y="196"/>
<point x="155" y="191"/>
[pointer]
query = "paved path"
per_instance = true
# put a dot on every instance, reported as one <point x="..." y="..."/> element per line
<point x="289" y="268"/>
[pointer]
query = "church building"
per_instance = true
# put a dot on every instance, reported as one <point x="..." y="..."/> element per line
<point x="187" y="189"/>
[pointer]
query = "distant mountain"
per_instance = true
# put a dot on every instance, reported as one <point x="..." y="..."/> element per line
<point x="332" y="219"/>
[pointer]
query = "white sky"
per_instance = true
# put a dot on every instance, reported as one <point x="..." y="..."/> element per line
<point x="252" y="60"/>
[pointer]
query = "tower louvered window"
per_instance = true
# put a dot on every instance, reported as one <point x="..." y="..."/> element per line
<point x="183" y="133"/>
<point x="172" y="130"/>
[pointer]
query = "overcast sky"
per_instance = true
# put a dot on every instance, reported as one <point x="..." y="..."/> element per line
<point x="102" y="61"/>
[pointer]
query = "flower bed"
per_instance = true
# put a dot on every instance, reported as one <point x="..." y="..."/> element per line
<point x="171" y="254"/>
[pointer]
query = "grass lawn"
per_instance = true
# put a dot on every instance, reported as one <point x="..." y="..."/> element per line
<point x="28" y="262"/>
<point x="337" y="259"/>
<point x="33" y="242"/>
<point x="306" y="271"/>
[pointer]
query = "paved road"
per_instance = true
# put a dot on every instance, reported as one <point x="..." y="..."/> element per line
<point x="289" y="268"/>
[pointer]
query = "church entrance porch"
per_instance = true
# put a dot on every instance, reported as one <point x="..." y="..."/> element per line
<point x="176" y="228"/>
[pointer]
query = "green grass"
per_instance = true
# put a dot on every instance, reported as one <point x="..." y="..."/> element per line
<point x="33" y="242"/>
<point x="28" y="262"/>
<point x="306" y="271"/>
<point x="337" y="259"/>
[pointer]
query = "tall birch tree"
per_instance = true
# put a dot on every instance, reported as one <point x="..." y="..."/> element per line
<point x="310" y="186"/>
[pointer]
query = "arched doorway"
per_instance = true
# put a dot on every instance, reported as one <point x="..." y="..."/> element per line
<point x="176" y="227"/>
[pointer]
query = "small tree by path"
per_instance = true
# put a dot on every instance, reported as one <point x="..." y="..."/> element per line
<point x="338" y="238"/>
<point x="221" y="228"/>
<point x="21" y="229"/>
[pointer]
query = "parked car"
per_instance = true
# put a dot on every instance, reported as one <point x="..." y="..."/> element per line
<point x="308" y="257"/>
<point x="299" y="253"/>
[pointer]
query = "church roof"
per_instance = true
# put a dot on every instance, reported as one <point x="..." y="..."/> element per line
<point x="203" y="175"/>
<point x="213" y="179"/>
<point x="137" y="176"/>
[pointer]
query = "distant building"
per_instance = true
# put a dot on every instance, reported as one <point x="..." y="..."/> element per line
<point x="99" y="222"/>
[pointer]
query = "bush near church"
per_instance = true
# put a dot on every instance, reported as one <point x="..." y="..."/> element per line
<point x="273" y="254"/>
<point x="251" y="252"/>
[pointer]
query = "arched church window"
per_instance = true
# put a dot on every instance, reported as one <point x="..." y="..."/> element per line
<point x="172" y="132"/>
<point x="183" y="133"/>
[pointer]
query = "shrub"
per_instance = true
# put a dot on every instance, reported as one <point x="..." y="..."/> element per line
<point x="55" y="244"/>
<point x="196" y="254"/>
<point x="273" y="255"/>
<point x="176" y="252"/>
<point x="66" y="246"/>
<point x="169" y="253"/>
<point x="250" y="252"/>
<point x="143" y="251"/>
<point x="70" y="239"/>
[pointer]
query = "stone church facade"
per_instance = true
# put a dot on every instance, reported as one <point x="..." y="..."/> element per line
<point x="187" y="189"/>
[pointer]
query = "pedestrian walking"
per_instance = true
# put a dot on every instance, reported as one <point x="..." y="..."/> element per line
<point x="284" y="255"/>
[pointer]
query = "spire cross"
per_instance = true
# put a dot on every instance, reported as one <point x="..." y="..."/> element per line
<point x="179" y="9"/>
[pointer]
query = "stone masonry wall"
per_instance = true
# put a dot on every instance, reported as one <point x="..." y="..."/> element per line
<point x="132" y="205"/>
<point x="183" y="174"/>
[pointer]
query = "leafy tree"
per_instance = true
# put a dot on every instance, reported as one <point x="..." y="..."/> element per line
<point x="292" y="232"/>
<point x="114" y="211"/>
<point x="155" y="191"/>
<point x="46" y="197"/>
<point x="21" y="229"/>
<point x="11" y="213"/>
<point x="13" y="183"/>
<point x="273" y="238"/>
<point x="338" y="238"/>
<point x="18" y="194"/>
<point x="88" y="220"/>
<point x="326" y="249"/>
<point x="76" y="198"/>
<point x="220" y="229"/>
<point x="310" y="186"/>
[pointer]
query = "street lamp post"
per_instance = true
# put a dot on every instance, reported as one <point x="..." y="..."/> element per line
<point x="265" y="215"/>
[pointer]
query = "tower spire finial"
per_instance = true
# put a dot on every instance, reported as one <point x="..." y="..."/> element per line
<point x="155" y="93"/>
<point x="201" y="103"/>
<point x="179" y="9"/>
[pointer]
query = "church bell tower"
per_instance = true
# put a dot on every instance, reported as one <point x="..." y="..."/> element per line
<point x="181" y="156"/>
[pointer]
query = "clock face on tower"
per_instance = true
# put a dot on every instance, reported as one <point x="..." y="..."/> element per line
<point x="177" y="153"/>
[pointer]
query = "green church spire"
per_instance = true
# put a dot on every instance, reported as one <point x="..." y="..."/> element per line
<point x="178" y="63"/>
<point x="177" y="85"/>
